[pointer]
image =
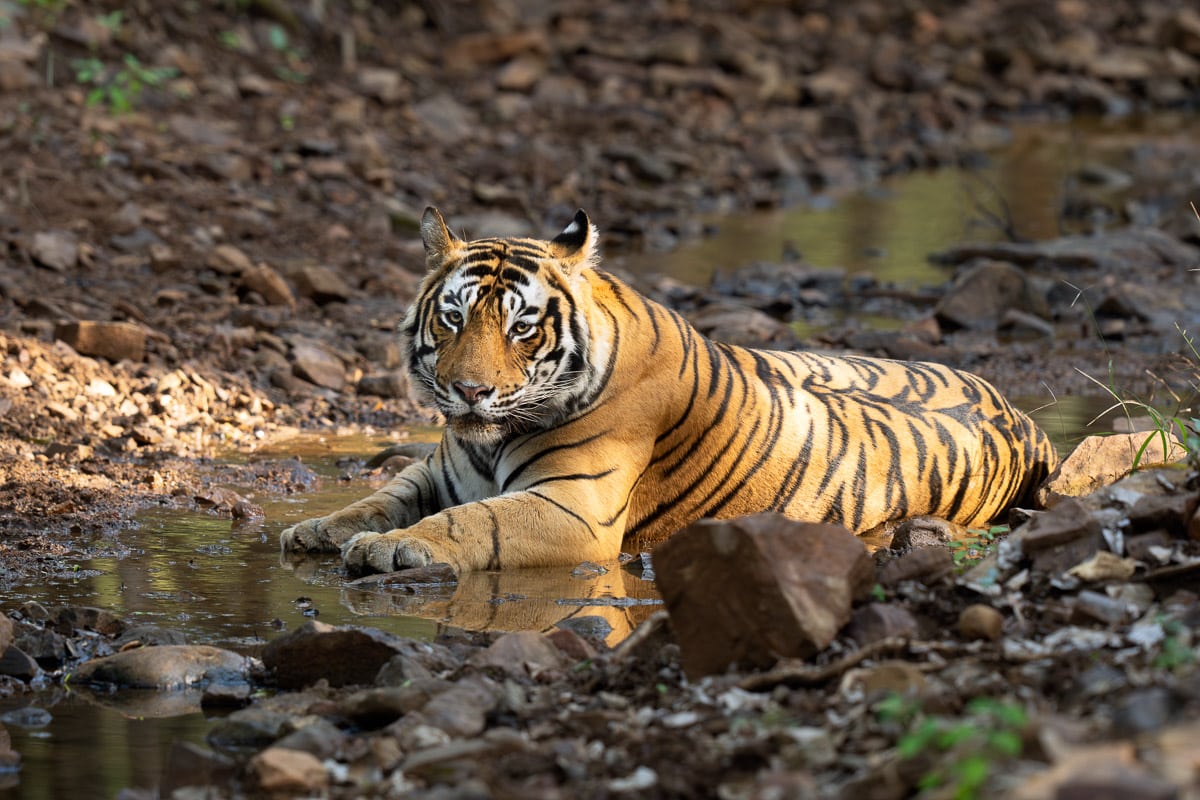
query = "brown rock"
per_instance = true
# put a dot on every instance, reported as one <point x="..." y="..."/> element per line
<point x="6" y="632"/>
<point x="278" y="770"/>
<point x="521" y="653"/>
<point x="316" y="650"/>
<point x="322" y="285"/>
<point x="1100" y="461"/>
<point x="787" y="588"/>
<point x="269" y="284"/>
<point x="980" y="622"/>
<point x="228" y="260"/>
<point x="112" y="340"/>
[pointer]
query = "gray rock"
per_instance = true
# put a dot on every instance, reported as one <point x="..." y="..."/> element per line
<point x="982" y="295"/>
<point x="57" y="250"/>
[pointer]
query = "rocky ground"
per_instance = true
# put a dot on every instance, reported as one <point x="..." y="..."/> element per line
<point x="208" y="223"/>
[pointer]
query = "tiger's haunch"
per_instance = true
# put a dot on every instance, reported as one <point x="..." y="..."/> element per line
<point x="581" y="417"/>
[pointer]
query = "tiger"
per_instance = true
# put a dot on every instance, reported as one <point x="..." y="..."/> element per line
<point x="583" y="418"/>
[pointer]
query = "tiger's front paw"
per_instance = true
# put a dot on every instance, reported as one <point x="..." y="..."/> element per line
<point x="364" y="553"/>
<point x="309" y="536"/>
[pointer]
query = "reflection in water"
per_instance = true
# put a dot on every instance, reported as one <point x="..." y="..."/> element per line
<point x="90" y="753"/>
<point x="527" y="599"/>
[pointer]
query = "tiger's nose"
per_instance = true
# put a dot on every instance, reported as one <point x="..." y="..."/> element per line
<point x="472" y="392"/>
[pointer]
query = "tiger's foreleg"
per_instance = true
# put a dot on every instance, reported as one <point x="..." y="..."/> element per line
<point x="520" y="529"/>
<point x="404" y="500"/>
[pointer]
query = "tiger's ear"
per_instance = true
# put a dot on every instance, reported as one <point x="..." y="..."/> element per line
<point x="575" y="248"/>
<point x="438" y="240"/>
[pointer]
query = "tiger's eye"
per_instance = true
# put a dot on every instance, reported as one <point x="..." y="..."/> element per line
<point x="453" y="319"/>
<point x="521" y="328"/>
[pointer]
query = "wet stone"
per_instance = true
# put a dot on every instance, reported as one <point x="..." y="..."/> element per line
<point x="980" y="296"/>
<point x="16" y="663"/>
<point x="6" y="632"/>
<point x="316" y="651"/>
<point x="166" y="667"/>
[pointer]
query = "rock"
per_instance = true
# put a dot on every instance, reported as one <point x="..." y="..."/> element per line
<point x="1104" y="566"/>
<point x="253" y="727"/>
<point x="978" y="621"/>
<point x="320" y="738"/>
<point x="68" y="620"/>
<point x="287" y="772"/>
<point x="165" y="667"/>
<point x="6" y="632"/>
<point x="1143" y="710"/>
<point x="787" y="588"/>
<point x="876" y="621"/>
<point x="461" y="711"/>
<point x="269" y="284"/>
<point x="57" y="250"/>
<point x="190" y="764"/>
<point x="392" y="384"/>
<point x="445" y="117"/>
<point x="112" y="340"/>
<point x="1099" y="461"/>
<point x="385" y="85"/>
<point x="927" y="564"/>
<point x="521" y="654"/>
<point x="1058" y="539"/>
<point x="16" y="663"/>
<point x="342" y="656"/>
<point x="315" y="364"/>
<point x="228" y="260"/>
<point x="981" y="295"/>
<point x="322" y="285"/>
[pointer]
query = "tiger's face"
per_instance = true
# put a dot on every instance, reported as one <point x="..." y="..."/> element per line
<point x="496" y="340"/>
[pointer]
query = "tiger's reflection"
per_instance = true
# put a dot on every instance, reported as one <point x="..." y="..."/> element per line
<point x="607" y="603"/>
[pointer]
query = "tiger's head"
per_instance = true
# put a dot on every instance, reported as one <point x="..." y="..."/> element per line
<point x="498" y="337"/>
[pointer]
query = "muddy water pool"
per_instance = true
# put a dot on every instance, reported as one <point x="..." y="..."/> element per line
<point x="224" y="583"/>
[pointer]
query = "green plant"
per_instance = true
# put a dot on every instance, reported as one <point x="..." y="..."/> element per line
<point x="1175" y="651"/>
<point x="119" y="90"/>
<point x="969" y="551"/>
<point x="965" y="750"/>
